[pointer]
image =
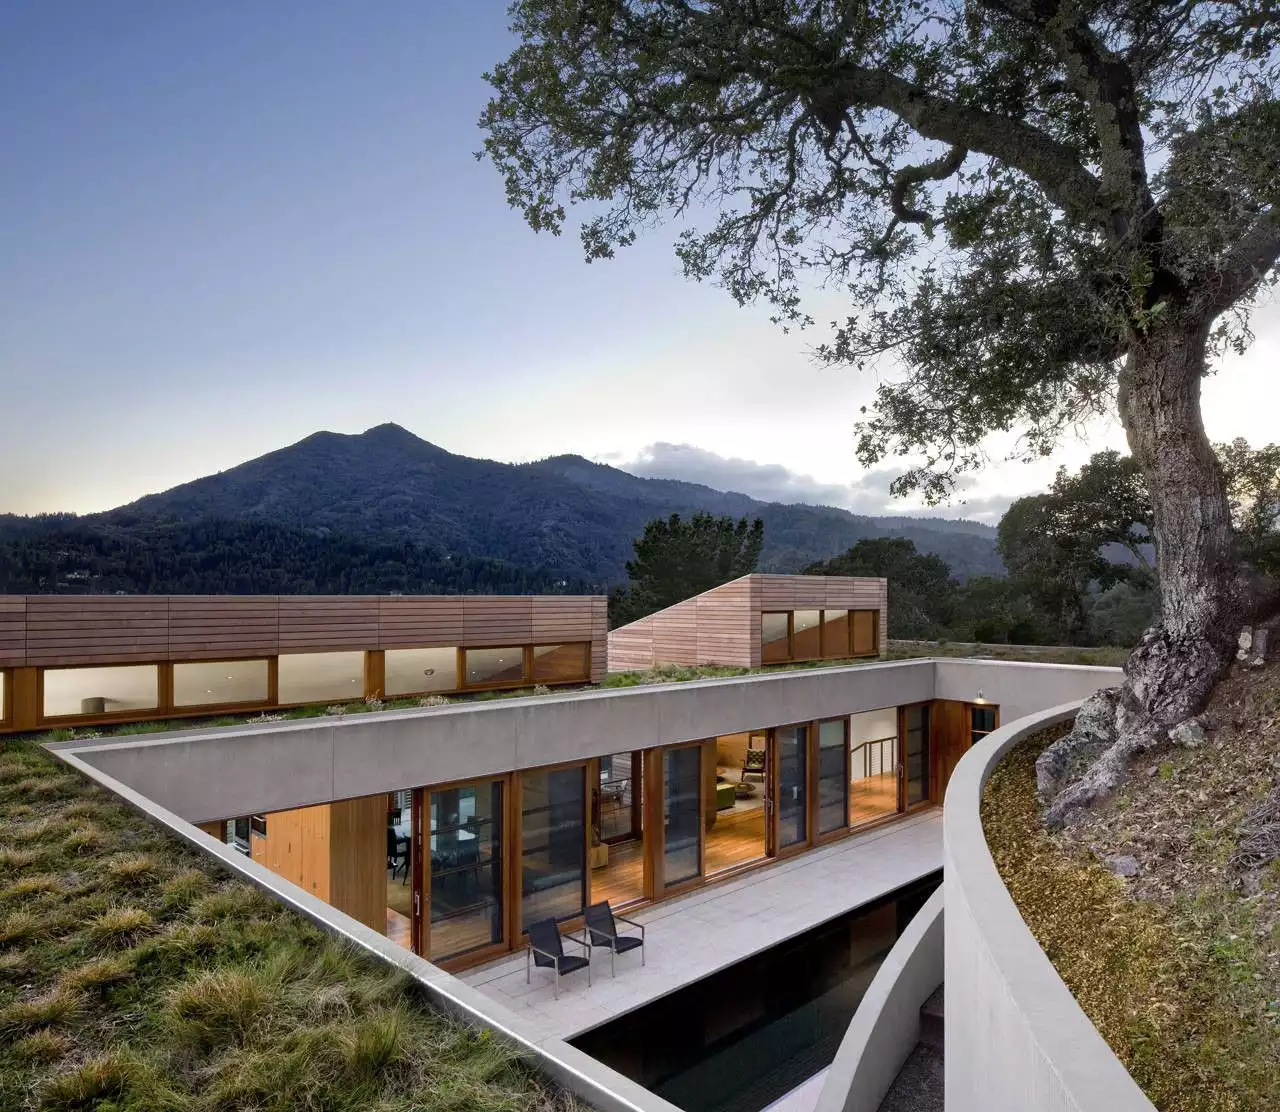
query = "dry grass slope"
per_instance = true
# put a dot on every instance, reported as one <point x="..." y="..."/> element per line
<point x="1182" y="1005"/>
<point x="137" y="976"/>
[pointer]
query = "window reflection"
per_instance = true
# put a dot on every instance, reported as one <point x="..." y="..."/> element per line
<point x="553" y="816"/>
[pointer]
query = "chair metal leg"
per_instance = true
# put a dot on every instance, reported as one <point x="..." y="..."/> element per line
<point x="612" y="971"/>
<point x="555" y="983"/>
<point x="642" y="954"/>
<point x="528" y="961"/>
<point x="588" y="974"/>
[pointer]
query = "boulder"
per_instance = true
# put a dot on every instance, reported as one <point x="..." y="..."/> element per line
<point x="1189" y="734"/>
<point x="1124" y="865"/>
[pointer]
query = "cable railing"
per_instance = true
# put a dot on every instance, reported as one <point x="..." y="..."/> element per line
<point x="878" y="757"/>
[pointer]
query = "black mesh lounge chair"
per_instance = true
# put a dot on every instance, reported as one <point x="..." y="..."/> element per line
<point x="546" y="951"/>
<point x="602" y="930"/>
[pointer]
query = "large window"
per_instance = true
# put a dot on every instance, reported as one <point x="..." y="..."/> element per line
<point x="775" y="639"/>
<point x="553" y="816"/>
<point x="835" y="634"/>
<point x="560" y="663"/>
<point x="917" y="754"/>
<point x="420" y="671"/>
<point x="833" y="777"/>
<point x="4" y="696"/>
<point x="682" y="814"/>
<point x="492" y="666"/>
<point x="321" y="677"/>
<point x="806" y="631"/>
<point x="92" y="691"/>
<point x="465" y="862"/>
<point x="793" y="764"/>
<point x="215" y="683"/>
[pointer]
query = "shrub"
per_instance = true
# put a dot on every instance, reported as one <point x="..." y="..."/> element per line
<point x="120" y="926"/>
<point x="220" y="1006"/>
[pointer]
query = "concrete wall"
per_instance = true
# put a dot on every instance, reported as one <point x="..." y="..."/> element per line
<point x="1018" y="687"/>
<point x="240" y="770"/>
<point x="1016" y="1038"/>
<point x="886" y="1026"/>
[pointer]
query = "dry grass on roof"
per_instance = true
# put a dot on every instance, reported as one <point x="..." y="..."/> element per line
<point x="136" y="975"/>
<point x="1179" y="987"/>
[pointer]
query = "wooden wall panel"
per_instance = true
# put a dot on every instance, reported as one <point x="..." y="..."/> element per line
<point x="407" y="622"/>
<point x="948" y="741"/>
<point x="208" y="627"/>
<point x="497" y="621"/>
<point x="357" y="859"/>
<point x="67" y="629"/>
<point x="317" y="623"/>
<point x="13" y="630"/>
<point x="555" y="618"/>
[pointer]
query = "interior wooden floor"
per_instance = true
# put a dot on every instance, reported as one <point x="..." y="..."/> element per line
<point x="873" y="797"/>
<point x="622" y="880"/>
<point x="399" y="929"/>
<point x="736" y="838"/>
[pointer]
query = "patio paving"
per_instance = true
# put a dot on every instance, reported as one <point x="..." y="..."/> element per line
<point x="692" y="936"/>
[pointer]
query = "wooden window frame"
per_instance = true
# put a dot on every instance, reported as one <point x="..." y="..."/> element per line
<point x="273" y="681"/>
<point x="656" y="845"/>
<point x="419" y="858"/>
<point x="142" y="714"/>
<point x="977" y="735"/>
<point x="379" y="672"/>
<point x="526" y="668"/>
<point x="905" y="808"/>
<point x="6" y="698"/>
<point x="201" y="709"/>
<point x="790" y="637"/>
<point x="516" y="875"/>
<point x="773" y="779"/>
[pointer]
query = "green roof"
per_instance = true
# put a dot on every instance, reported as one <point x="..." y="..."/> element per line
<point x="138" y="975"/>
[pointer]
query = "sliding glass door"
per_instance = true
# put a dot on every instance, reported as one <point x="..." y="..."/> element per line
<point x="791" y="781"/>
<point x="833" y="777"/>
<point x="553" y="844"/>
<point x="916" y="754"/>
<point x="681" y="815"/>
<point x="461" y="885"/>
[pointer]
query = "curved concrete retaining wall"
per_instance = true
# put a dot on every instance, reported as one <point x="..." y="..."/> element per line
<point x="599" y="1086"/>
<point x="1016" y="1038"/>
<point x="886" y="1026"/>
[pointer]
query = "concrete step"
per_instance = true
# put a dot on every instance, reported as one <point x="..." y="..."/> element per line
<point x="931" y="1024"/>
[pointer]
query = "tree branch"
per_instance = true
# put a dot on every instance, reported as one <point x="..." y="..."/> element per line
<point x="1048" y="163"/>
<point x="1245" y="265"/>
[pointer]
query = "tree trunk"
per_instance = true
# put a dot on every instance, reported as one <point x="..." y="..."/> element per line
<point x="1172" y="672"/>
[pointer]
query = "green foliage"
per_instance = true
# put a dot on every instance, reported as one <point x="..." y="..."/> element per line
<point x="1253" y="488"/>
<point x="1058" y="544"/>
<point x="920" y="587"/>
<point x="1011" y="197"/>
<point x="677" y="558"/>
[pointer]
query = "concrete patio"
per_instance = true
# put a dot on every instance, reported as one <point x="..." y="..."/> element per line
<point x="695" y="935"/>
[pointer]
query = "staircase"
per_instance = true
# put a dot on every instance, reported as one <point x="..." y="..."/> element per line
<point x="918" y="1086"/>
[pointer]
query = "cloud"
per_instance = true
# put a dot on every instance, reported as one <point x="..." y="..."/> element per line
<point x="772" y="482"/>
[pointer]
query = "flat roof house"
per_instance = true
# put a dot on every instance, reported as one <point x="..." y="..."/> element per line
<point x="759" y="620"/>
<point x="82" y="660"/>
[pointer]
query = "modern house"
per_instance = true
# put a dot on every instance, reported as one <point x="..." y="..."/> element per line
<point x="82" y="660"/>
<point x="730" y="815"/>
<point x="759" y="620"/>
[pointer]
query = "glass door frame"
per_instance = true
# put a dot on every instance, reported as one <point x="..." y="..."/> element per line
<point x="773" y="843"/>
<point x="639" y="826"/>
<point x="655" y="827"/>
<point x="515" y="874"/>
<point x="419" y="860"/>
<point x="815" y="837"/>
<point x="930" y="757"/>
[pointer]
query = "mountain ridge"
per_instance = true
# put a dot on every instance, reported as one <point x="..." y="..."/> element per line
<point x="564" y="515"/>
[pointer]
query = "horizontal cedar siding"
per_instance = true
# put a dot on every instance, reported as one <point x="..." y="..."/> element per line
<point x="409" y="622"/>
<point x="334" y="623"/>
<point x="69" y="629"/>
<point x="497" y="620"/>
<point x="13" y="630"/>
<point x="210" y="628"/>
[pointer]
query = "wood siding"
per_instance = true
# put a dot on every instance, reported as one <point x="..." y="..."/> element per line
<point x="71" y="630"/>
<point x="722" y="626"/>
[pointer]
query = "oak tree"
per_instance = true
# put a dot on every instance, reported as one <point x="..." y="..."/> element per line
<point x="1039" y="210"/>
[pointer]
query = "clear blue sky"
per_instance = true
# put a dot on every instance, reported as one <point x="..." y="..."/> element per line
<point x="228" y="224"/>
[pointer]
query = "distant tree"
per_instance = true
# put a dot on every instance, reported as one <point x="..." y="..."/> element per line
<point x="998" y="610"/>
<point x="677" y="558"/>
<point x="1055" y="545"/>
<point x="1045" y="210"/>
<point x="1253" y="488"/>
<point x="920" y="585"/>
